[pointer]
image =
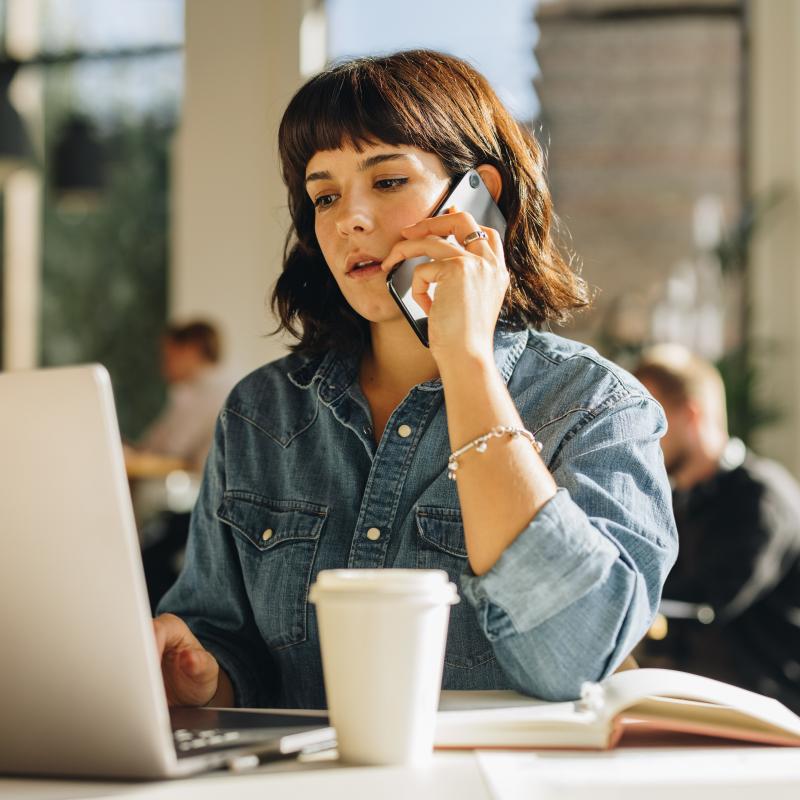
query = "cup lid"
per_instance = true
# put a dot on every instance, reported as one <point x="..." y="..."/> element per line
<point x="423" y="584"/>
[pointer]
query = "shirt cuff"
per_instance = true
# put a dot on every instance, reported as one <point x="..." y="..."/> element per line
<point x="244" y="682"/>
<point x="554" y="561"/>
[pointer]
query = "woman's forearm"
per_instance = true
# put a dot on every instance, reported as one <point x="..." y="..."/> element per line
<point x="501" y="489"/>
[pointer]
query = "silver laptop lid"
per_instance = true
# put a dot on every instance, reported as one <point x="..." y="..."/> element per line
<point x="81" y="689"/>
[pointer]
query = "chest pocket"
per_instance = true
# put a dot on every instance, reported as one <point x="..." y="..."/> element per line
<point x="441" y="546"/>
<point x="277" y="542"/>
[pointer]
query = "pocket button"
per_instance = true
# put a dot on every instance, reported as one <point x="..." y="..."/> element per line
<point x="267" y="535"/>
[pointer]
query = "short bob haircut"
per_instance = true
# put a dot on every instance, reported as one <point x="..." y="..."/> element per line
<point x="439" y="104"/>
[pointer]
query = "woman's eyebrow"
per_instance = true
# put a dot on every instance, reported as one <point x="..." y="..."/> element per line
<point x="318" y="176"/>
<point x="380" y="158"/>
<point x="372" y="161"/>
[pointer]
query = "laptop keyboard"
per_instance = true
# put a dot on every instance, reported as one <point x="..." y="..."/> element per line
<point x="187" y="741"/>
<point x="197" y="731"/>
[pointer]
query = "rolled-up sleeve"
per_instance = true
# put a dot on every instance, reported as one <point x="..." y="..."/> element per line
<point x="579" y="586"/>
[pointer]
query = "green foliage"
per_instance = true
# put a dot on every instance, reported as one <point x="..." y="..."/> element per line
<point x="733" y="246"/>
<point x="746" y="412"/>
<point x="105" y="272"/>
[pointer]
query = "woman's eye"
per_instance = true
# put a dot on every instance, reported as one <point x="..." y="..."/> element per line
<point x="390" y="183"/>
<point x="324" y="200"/>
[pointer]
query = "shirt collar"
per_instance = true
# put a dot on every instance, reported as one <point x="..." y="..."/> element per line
<point x="335" y="372"/>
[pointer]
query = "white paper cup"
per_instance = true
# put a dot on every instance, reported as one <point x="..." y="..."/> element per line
<point x="383" y="634"/>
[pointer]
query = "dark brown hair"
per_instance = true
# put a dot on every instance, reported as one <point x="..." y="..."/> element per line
<point x="439" y="104"/>
<point x="203" y="335"/>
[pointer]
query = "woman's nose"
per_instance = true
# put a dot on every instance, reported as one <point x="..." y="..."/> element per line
<point x="354" y="217"/>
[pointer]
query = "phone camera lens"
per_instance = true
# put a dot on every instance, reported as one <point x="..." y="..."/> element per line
<point x="474" y="180"/>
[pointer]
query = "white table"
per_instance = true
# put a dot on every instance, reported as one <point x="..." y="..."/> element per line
<point x="696" y="773"/>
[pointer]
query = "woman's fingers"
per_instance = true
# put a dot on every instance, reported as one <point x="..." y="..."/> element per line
<point x="190" y="676"/>
<point x="429" y="238"/>
<point x="470" y="281"/>
<point x="433" y="247"/>
<point x="190" y="672"/>
<point x="432" y="272"/>
<point x="172" y="633"/>
<point x="437" y="249"/>
<point x="458" y="224"/>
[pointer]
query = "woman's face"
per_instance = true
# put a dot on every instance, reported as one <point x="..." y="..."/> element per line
<point x="362" y="200"/>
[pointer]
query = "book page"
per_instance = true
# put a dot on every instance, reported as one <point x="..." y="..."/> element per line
<point x="538" y="724"/>
<point x="645" y="689"/>
<point x="705" y="719"/>
<point x="465" y="700"/>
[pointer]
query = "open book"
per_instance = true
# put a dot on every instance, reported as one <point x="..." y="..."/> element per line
<point x="651" y="699"/>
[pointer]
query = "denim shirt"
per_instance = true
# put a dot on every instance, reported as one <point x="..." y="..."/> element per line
<point x="295" y="484"/>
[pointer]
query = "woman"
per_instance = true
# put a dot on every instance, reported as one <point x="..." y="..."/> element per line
<point x="338" y="454"/>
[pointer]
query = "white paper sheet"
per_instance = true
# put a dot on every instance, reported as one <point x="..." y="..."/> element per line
<point x="719" y="773"/>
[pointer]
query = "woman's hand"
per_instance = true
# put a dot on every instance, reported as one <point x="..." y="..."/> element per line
<point x="471" y="283"/>
<point x="191" y="674"/>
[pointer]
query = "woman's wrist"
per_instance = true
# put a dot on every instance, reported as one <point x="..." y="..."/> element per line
<point x="224" y="697"/>
<point x="468" y="362"/>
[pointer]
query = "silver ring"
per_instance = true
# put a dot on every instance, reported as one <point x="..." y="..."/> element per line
<point x="474" y="237"/>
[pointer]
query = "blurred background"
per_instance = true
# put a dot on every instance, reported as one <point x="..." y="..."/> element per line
<point x="139" y="174"/>
<point x="140" y="184"/>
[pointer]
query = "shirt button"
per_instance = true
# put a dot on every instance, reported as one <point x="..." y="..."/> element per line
<point x="373" y="534"/>
<point x="404" y="431"/>
<point x="267" y="535"/>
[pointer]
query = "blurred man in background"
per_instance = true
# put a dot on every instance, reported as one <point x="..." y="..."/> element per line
<point x="738" y="518"/>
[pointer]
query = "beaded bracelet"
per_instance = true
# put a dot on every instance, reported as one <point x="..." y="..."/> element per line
<point x="481" y="442"/>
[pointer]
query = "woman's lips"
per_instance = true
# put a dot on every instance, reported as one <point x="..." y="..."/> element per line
<point x="362" y="273"/>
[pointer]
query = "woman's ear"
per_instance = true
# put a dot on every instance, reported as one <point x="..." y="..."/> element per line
<point x="492" y="178"/>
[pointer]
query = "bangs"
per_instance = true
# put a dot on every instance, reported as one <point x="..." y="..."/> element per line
<point x="354" y="105"/>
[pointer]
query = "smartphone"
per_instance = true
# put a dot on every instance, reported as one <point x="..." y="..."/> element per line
<point x="469" y="193"/>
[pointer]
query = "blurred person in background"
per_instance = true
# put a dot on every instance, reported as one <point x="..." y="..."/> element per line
<point x="178" y="440"/>
<point x="738" y="518"/>
<point x="197" y="388"/>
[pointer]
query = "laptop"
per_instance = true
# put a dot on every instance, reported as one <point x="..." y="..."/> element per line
<point x="81" y="692"/>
